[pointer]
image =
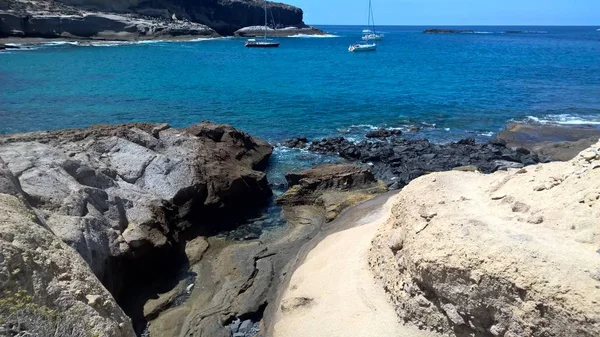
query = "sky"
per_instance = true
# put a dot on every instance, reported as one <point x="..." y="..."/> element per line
<point x="451" y="12"/>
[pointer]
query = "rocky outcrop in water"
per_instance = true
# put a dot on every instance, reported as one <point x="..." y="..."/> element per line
<point x="446" y="31"/>
<point x="397" y="161"/>
<point x="122" y="195"/>
<point x="561" y="143"/>
<point x="508" y="254"/>
<point x="47" y="289"/>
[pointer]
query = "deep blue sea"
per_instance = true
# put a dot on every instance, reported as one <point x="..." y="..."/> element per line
<point x="452" y="86"/>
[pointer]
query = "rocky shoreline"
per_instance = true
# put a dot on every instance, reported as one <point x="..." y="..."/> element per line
<point x="141" y="206"/>
<point x="131" y="21"/>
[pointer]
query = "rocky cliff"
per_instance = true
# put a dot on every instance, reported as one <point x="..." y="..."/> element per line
<point x="122" y="196"/>
<point x="134" y="19"/>
<point x="508" y="254"/>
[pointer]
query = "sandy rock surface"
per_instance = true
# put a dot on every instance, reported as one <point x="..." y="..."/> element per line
<point x="332" y="293"/>
<point x="509" y="254"/>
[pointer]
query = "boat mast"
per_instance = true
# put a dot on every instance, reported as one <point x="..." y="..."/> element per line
<point x="265" y="20"/>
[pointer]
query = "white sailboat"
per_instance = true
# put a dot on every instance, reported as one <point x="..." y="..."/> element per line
<point x="369" y="34"/>
<point x="367" y="45"/>
<point x="264" y="42"/>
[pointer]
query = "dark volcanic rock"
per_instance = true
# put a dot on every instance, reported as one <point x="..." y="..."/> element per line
<point x="121" y="197"/>
<point x="446" y="31"/>
<point x="398" y="161"/>
<point x="296" y="143"/>
<point x="383" y="133"/>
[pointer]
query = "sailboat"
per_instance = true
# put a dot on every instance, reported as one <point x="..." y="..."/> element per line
<point x="264" y="42"/>
<point x="367" y="45"/>
<point x="369" y="34"/>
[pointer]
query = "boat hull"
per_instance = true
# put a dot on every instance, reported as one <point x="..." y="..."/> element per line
<point x="356" y="48"/>
<point x="262" y="45"/>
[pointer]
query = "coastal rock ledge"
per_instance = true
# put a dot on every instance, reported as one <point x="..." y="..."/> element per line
<point x="514" y="253"/>
<point x="122" y="196"/>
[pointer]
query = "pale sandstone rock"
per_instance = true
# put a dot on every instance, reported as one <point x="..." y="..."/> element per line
<point x="523" y="266"/>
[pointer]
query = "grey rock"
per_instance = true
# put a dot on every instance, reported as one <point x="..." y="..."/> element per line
<point x="245" y="326"/>
<point x="453" y="314"/>
<point x="113" y="192"/>
<point x="34" y="260"/>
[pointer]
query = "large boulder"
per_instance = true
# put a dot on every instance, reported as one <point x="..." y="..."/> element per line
<point x="509" y="254"/>
<point x="121" y="195"/>
<point x="46" y="286"/>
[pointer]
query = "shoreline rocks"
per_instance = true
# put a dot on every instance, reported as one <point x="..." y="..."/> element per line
<point x="559" y="143"/>
<point x="97" y="26"/>
<point x="258" y="31"/>
<point x="397" y="161"/>
<point x="124" y="196"/>
<point x="133" y="19"/>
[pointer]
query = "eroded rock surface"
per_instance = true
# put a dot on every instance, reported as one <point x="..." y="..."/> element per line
<point x="121" y="195"/>
<point x="333" y="186"/>
<point x="508" y="254"/>
<point x="561" y="143"/>
<point x="35" y="261"/>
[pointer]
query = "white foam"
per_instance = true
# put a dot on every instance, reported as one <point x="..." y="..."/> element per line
<point x="476" y="32"/>
<point x="565" y="119"/>
<point x="486" y="134"/>
<point x="364" y="126"/>
<point x="60" y="43"/>
<point x="315" y="36"/>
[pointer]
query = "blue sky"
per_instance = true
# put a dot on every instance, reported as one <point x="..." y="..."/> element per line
<point x="452" y="12"/>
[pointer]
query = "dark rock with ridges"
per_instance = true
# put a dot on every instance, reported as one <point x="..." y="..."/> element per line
<point x="397" y="161"/>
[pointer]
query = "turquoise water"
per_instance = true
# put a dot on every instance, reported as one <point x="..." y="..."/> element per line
<point x="465" y="84"/>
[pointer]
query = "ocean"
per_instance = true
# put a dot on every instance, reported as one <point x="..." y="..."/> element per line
<point x="447" y="86"/>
